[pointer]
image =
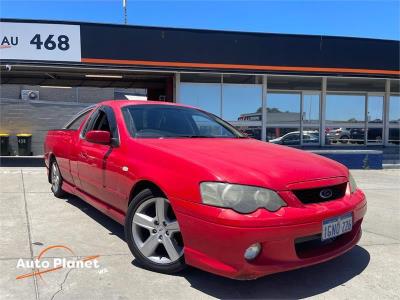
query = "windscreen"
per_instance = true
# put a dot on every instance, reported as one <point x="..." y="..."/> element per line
<point x="163" y="121"/>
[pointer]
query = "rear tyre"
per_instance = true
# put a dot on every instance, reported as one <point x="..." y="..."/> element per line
<point x="153" y="234"/>
<point x="56" y="180"/>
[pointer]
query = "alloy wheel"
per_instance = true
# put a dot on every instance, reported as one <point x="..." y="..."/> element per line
<point x="55" y="177"/>
<point x="156" y="231"/>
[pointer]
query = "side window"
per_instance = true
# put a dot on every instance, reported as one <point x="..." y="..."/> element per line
<point x="89" y="123"/>
<point x="101" y="123"/>
<point x="102" y="119"/>
<point x="76" y="123"/>
<point x="292" y="137"/>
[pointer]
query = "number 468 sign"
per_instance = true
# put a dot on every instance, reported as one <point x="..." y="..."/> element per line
<point x="34" y="41"/>
<point x="50" y="44"/>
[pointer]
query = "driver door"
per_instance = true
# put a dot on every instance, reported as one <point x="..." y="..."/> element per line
<point x="92" y="156"/>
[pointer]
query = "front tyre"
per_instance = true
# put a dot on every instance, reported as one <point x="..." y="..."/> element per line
<point x="153" y="234"/>
<point x="56" y="180"/>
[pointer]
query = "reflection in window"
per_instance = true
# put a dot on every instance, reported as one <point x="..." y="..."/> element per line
<point x="283" y="136"/>
<point x="345" y="108"/>
<point x="375" y="135"/>
<point x="208" y="127"/>
<point x="344" y="136"/>
<point x="241" y="102"/>
<point x="394" y="136"/>
<point x="283" y="108"/>
<point x="311" y="136"/>
<point x="311" y="109"/>
<point x="375" y="109"/>
<point x="250" y="131"/>
<point x="394" y="109"/>
<point x="206" y="96"/>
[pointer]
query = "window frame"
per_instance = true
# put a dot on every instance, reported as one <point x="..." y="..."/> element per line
<point x="87" y="111"/>
<point x="112" y="122"/>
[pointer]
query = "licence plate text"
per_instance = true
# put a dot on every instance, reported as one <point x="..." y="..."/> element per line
<point x="336" y="226"/>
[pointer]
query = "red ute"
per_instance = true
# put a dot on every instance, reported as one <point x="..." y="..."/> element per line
<point x="192" y="190"/>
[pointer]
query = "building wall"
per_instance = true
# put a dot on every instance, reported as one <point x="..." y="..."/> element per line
<point x="54" y="108"/>
<point x="17" y="116"/>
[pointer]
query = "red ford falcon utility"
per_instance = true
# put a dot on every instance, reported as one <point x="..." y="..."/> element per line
<point x="192" y="190"/>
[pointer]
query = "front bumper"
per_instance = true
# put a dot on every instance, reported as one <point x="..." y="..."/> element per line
<point x="219" y="248"/>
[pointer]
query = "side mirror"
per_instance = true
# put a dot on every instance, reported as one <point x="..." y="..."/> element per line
<point x="99" y="137"/>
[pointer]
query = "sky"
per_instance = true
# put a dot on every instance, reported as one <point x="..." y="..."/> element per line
<point x="361" y="18"/>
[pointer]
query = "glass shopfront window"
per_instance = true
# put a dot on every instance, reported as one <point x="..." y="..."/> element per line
<point x="344" y="135"/>
<point x="238" y="100"/>
<point x="375" y="119"/>
<point x="394" y="136"/>
<point x="241" y="102"/>
<point x="375" y="135"/>
<point x="343" y="113"/>
<point x="311" y="136"/>
<point x="242" y="106"/>
<point x="283" y="118"/>
<point x="375" y="110"/>
<point x="394" y="109"/>
<point x="345" y="108"/>
<point x="206" y="96"/>
<point x="311" y="109"/>
<point x="354" y="109"/>
<point x="283" y="108"/>
<point x="394" y="120"/>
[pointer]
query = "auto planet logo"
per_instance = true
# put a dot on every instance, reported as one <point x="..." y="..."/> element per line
<point x="44" y="264"/>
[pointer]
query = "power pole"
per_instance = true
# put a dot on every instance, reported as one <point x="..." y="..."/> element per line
<point x="125" y="13"/>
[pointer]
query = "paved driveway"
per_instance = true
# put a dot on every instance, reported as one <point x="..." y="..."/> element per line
<point x="32" y="219"/>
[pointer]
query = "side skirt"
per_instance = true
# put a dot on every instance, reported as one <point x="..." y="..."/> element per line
<point x="96" y="203"/>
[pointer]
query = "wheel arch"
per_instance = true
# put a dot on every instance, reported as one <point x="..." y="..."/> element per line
<point x="144" y="184"/>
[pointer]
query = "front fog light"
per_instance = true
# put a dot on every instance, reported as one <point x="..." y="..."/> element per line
<point x="252" y="252"/>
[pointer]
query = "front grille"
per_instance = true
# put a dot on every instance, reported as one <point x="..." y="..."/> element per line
<point x="321" y="194"/>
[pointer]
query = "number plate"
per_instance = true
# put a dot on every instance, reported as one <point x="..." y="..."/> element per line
<point x="336" y="226"/>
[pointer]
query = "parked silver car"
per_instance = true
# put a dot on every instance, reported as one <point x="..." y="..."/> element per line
<point x="293" y="138"/>
<point x="341" y="135"/>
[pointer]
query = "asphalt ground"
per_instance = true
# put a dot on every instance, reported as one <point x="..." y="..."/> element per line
<point x="31" y="219"/>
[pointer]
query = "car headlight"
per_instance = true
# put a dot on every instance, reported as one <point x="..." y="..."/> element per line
<point x="353" y="184"/>
<point x="241" y="198"/>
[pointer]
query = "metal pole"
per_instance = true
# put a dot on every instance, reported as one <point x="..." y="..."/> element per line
<point x="386" y="113"/>
<point x="323" y="112"/>
<point x="125" y="13"/>
<point x="301" y="117"/>
<point x="177" y="86"/>
<point x="264" y="108"/>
